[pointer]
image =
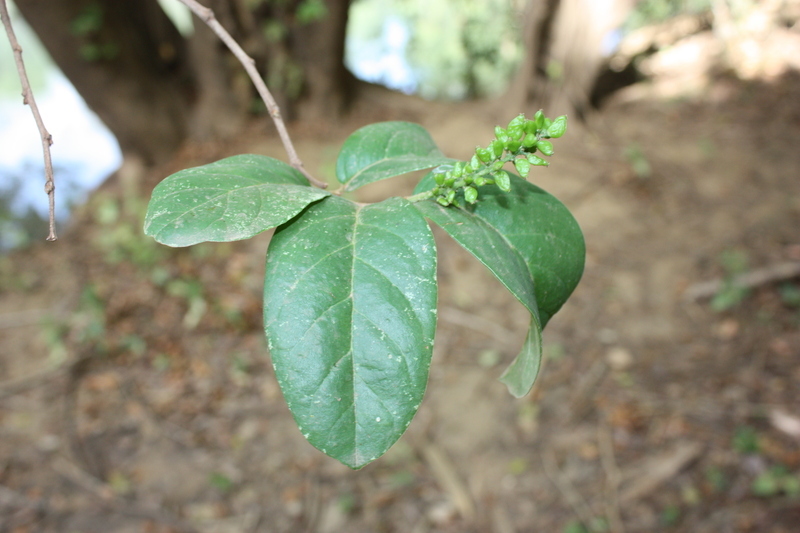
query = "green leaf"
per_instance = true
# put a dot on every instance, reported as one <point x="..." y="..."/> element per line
<point x="544" y="232"/>
<point x="350" y="314"/>
<point x="385" y="150"/>
<point x="488" y="245"/>
<point x="494" y="250"/>
<point x="526" y="224"/>
<point x="232" y="199"/>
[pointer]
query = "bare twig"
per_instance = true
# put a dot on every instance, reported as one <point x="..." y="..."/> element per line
<point x="207" y="16"/>
<point x="27" y="98"/>
<point x="750" y="280"/>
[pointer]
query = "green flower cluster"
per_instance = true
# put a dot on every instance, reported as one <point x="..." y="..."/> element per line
<point x="517" y="143"/>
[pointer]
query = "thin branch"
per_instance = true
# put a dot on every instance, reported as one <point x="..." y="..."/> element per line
<point x="207" y="16"/>
<point x="27" y="98"/>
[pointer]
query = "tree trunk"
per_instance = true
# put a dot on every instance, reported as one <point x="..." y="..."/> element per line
<point x="537" y="32"/>
<point x="127" y="61"/>
<point x="564" y="42"/>
<point x="319" y="49"/>
<point x="304" y="63"/>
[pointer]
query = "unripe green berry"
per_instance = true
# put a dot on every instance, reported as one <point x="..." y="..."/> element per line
<point x="538" y="119"/>
<point x="458" y="169"/>
<point x="503" y="181"/>
<point x="474" y="163"/>
<point x="530" y="126"/>
<point x="480" y="181"/>
<point x="443" y="201"/>
<point x="497" y="165"/>
<point x="449" y="181"/>
<point x="499" y="132"/>
<point x="522" y="166"/>
<point x="517" y="122"/>
<point x="496" y="147"/>
<point x="513" y="146"/>
<point x="451" y="195"/>
<point x="558" y="127"/>
<point x="537" y="161"/>
<point x="516" y="132"/>
<point x="470" y="194"/>
<point x="546" y="147"/>
<point x="439" y="178"/>
<point x="483" y="154"/>
<point x="529" y="141"/>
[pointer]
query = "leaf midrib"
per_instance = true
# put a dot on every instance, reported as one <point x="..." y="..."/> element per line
<point x="357" y="459"/>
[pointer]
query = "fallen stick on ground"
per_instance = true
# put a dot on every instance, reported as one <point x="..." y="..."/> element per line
<point x="448" y="479"/>
<point x="750" y="280"/>
<point x="646" y="477"/>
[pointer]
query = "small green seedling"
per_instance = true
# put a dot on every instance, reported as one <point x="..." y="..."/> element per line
<point x="350" y="289"/>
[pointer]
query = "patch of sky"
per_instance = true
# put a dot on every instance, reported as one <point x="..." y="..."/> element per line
<point x="381" y="58"/>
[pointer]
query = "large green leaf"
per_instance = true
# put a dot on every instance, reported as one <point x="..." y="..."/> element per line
<point x="232" y="199"/>
<point x="385" y="150"/>
<point x="529" y="224"/>
<point x="544" y="232"/>
<point x="350" y="315"/>
<point x="489" y="246"/>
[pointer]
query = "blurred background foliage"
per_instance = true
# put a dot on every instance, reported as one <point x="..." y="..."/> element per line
<point x="647" y="12"/>
<point x="450" y="49"/>
<point x="445" y="50"/>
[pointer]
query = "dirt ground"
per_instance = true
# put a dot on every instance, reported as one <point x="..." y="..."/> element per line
<point x="137" y="394"/>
